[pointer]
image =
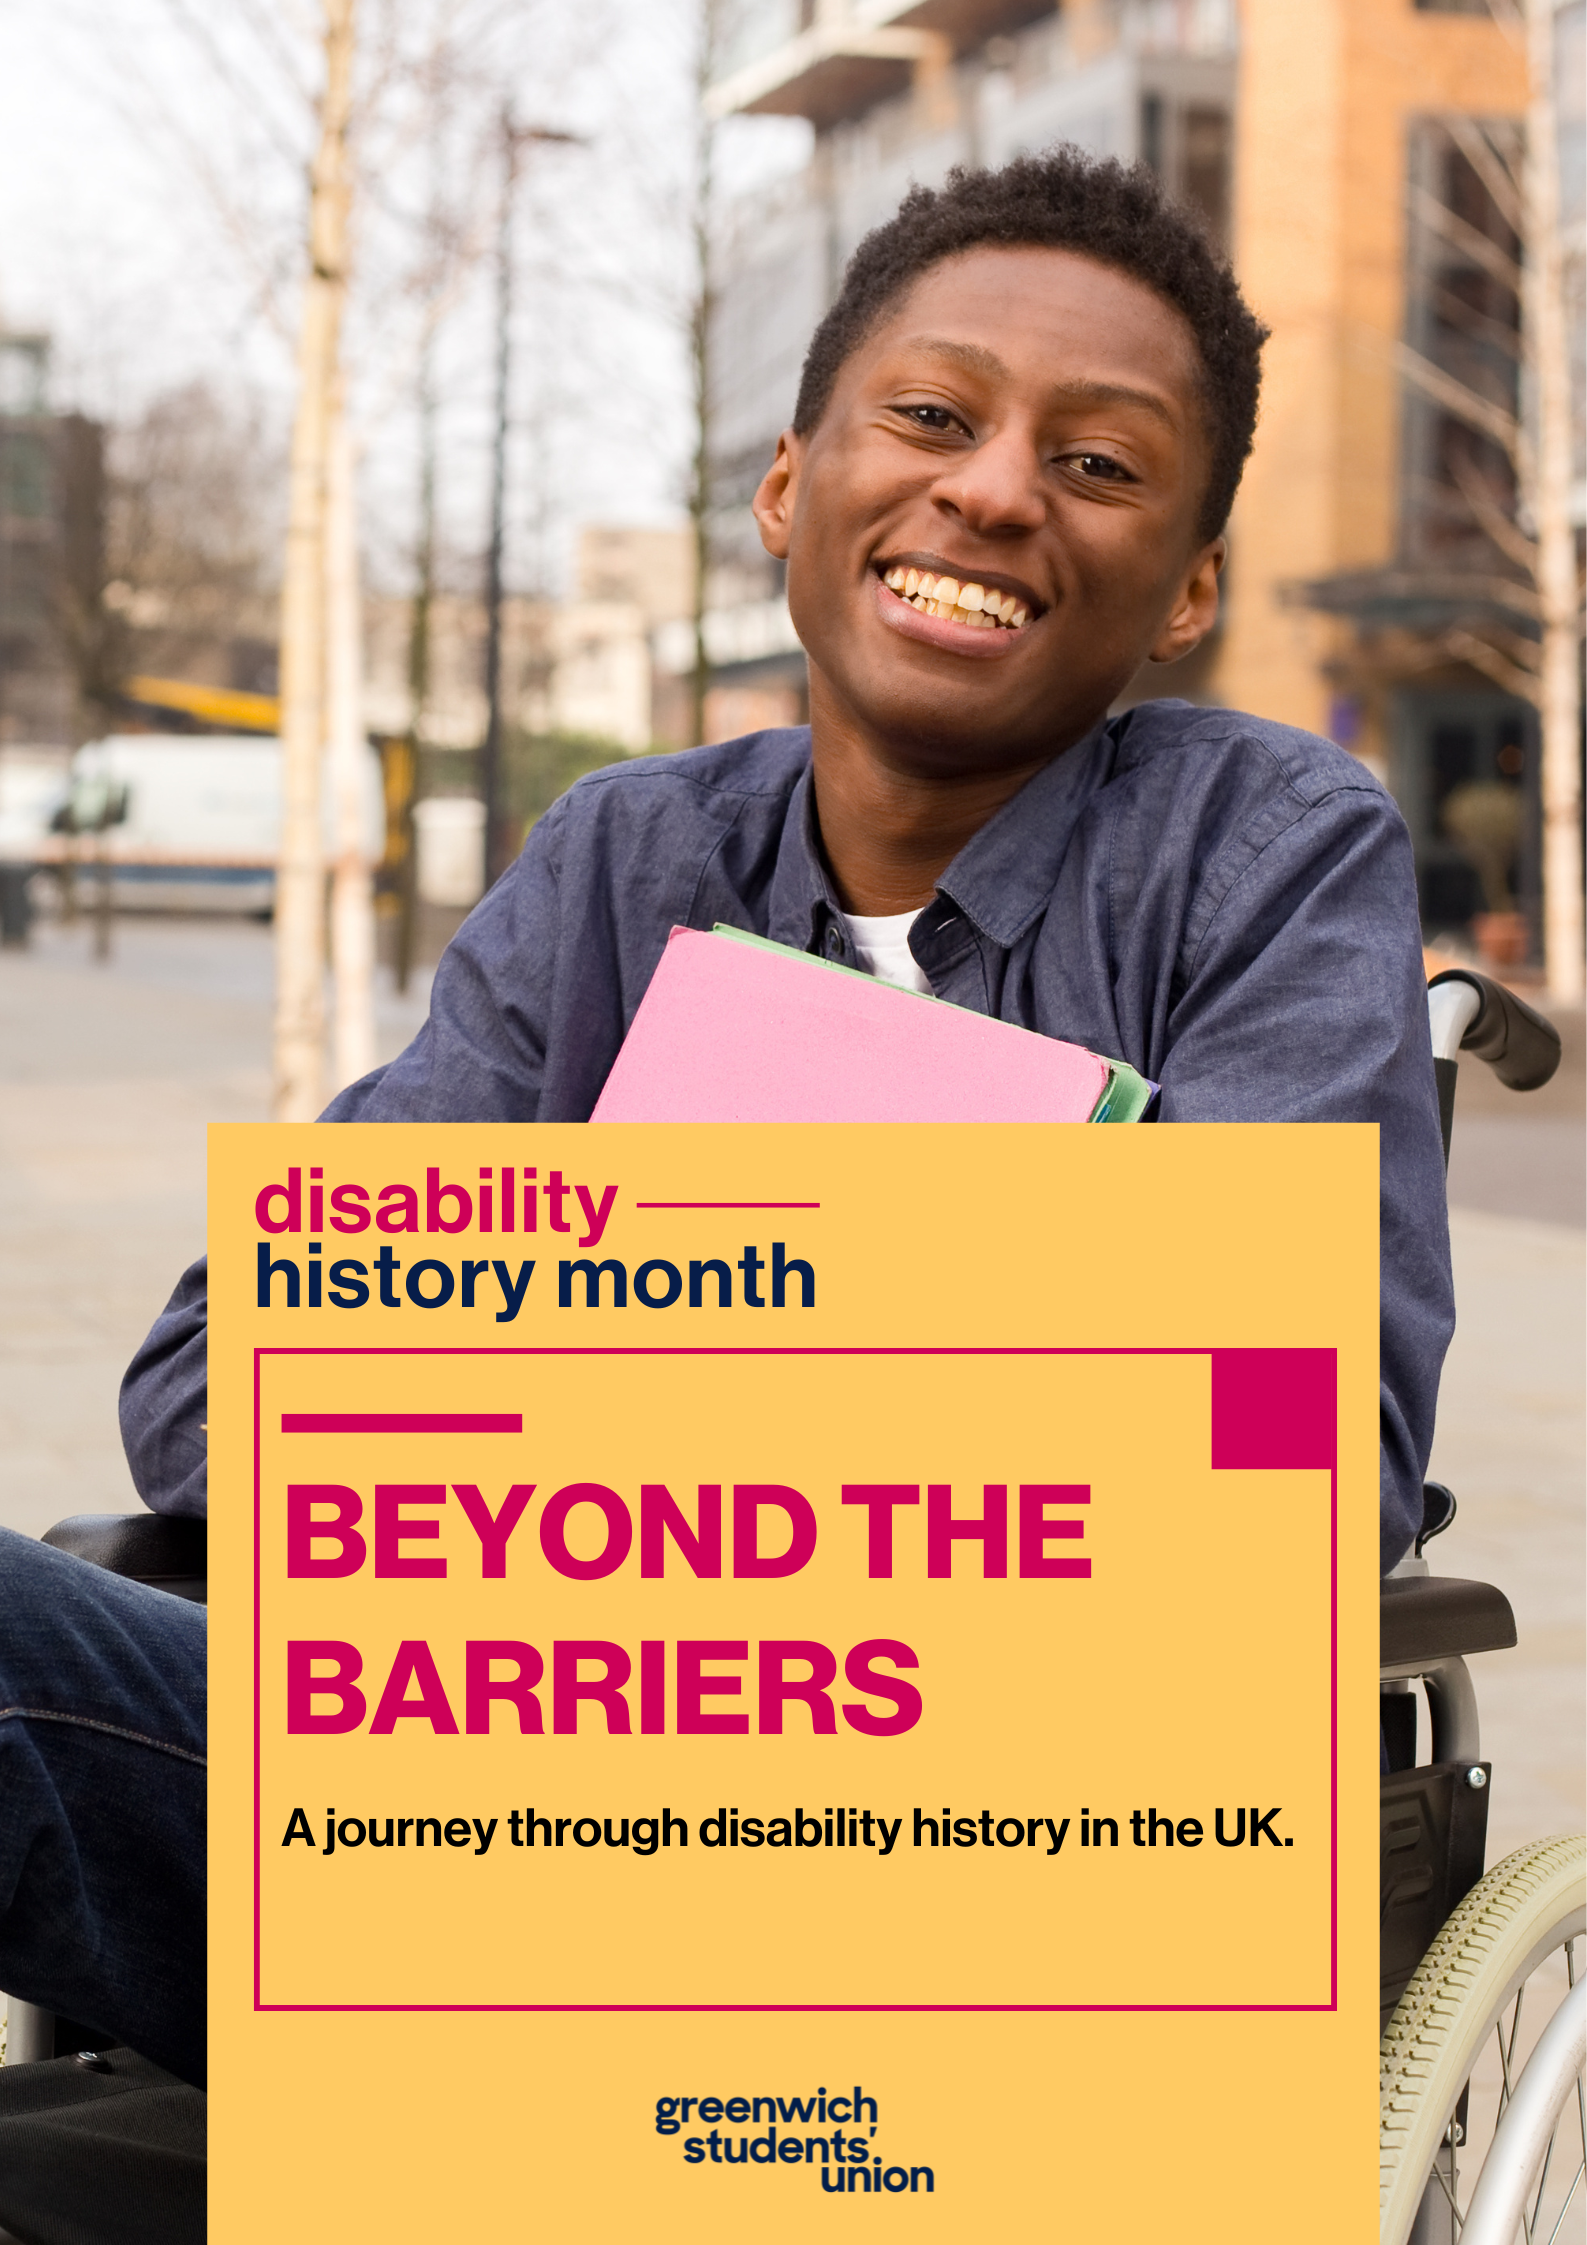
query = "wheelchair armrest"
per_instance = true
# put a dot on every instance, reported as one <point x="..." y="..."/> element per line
<point x="1439" y="1617"/>
<point x="158" y="1548"/>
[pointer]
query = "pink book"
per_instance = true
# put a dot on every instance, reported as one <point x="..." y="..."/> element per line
<point x="735" y="1029"/>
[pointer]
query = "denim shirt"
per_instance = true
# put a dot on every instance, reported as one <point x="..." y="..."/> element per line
<point x="1226" y="903"/>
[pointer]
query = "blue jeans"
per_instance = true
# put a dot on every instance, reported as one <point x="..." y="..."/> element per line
<point x="102" y="1802"/>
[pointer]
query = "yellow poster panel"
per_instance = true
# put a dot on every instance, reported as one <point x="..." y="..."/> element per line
<point x="757" y="1670"/>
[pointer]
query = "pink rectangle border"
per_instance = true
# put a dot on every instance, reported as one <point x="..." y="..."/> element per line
<point x="259" y="2005"/>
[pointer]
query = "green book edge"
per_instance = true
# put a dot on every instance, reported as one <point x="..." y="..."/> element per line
<point x="1124" y="1098"/>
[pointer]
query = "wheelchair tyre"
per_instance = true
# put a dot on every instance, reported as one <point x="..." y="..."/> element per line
<point x="1470" y="1985"/>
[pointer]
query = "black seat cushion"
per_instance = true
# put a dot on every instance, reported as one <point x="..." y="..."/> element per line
<point x="109" y="2156"/>
<point x="1439" y="1617"/>
<point x="153" y="1547"/>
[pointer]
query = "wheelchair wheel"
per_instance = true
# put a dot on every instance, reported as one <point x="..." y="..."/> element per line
<point x="1453" y="2053"/>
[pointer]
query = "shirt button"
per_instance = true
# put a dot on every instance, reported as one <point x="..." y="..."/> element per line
<point x="835" y="945"/>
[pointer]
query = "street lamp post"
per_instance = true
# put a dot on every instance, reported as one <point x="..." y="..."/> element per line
<point x="515" y="139"/>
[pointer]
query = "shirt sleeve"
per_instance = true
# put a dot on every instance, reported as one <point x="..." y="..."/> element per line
<point x="1302" y="998"/>
<point x="165" y="1402"/>
<point x="479" y="1058"/>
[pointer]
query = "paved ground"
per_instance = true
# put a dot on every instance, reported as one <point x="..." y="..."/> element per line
<point x="1520" y="1154"/>
<point x="1510" y="1439"/>
<point x="108" y="1077"/>
<point x="109" y="1074"/>
<point x="1510" y="1446"/>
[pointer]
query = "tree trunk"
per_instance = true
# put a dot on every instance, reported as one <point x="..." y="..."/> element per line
<point x="300" y="873"/>
<point x="701" y="315"/>
<point x="403" y="796"/>
<point x="1559" y="697"/>
<point x="352" y="883"/>
<point x="491" y="772"/>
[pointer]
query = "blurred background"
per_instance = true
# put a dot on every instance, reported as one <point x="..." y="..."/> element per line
<point x="382" y="389"/>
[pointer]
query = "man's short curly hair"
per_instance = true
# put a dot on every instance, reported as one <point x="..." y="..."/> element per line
<point x="1117" y="214"/>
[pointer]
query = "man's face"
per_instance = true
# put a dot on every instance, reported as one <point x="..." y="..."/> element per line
<point x="1027" y="425"/>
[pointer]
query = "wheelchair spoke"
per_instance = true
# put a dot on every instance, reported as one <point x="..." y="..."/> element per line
<point x="1505" y="2055"/>
<point x="1529" y="2221"/>
<point x="1581" y="2087"/>
<point x="1450" y="2184"/>
<point x="1570" y="2199"/>
<point x="1581" y="2122"/>
<point x="1542" y="2186"/>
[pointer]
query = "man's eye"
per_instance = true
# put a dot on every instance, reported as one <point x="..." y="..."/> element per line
<point x="933" y="417"/>
<point x="1102" y="467"/>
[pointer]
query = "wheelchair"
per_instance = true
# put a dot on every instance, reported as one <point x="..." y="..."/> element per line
<point x="1482" y="2118"/>
<point x="1483" y="2005"/>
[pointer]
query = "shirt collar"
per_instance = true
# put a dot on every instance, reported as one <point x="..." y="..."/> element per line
<point x="1000" y="880"/>
<point x="801" y="904"/>
<point x="1005" y="875"/>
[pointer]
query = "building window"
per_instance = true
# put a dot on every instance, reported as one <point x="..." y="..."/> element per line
<point x="1463" y="317"/>
<point x="1152" y="133"/>
<point x="24" y="473"/>
<point x="1206" y="165"/>
<point x="1190" y="148"/>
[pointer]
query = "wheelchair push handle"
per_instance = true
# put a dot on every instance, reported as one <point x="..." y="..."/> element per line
<point x="1469" y="1012"/>
<point x="1519" y="1044"/>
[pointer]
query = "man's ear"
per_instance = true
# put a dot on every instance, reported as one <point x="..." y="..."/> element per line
<point x="773" y="503"/>
<point x="1196" y="610"/>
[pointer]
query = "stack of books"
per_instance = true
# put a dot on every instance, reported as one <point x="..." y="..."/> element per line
<point x="736" y="1029"/>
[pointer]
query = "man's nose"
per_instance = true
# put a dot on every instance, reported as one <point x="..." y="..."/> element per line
<point x="996" y="490"/>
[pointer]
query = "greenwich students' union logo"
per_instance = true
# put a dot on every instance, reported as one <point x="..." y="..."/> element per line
<point x="834" y="2131"/>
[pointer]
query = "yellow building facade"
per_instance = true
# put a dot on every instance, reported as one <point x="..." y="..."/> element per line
<point x="1355" y="158"/>
<point x="1329" y="91"/>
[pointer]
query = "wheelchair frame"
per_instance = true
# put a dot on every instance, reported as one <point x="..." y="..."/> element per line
<point x="1458" y="1947"/>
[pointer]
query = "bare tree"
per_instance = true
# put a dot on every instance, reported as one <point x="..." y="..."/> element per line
<point x="427" y="74"/>
<point x="179" y="545"/>
<point x="421" y="615"/>
<point x="1547" y="480"/>
<point x="300" y="877"/>
<point x="452" y="229"/>
<point x="1526" y="633"/>
<point x="709" y="29"/>
<point x="352" y="882"/>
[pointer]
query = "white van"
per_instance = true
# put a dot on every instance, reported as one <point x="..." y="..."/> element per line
<point x="203" y="818"/>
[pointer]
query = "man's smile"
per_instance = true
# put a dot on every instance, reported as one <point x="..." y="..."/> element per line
<point x="979" y="616"/>
<point x="937" y="588"/>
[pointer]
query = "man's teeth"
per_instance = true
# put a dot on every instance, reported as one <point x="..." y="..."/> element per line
<point x="976" y="605"/>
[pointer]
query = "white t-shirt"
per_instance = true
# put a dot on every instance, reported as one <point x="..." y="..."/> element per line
<point x="882" y="942"/>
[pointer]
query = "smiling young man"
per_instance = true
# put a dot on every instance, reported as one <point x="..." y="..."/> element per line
<point x="1018" y="434"/>
<point x="1017" y="438"/>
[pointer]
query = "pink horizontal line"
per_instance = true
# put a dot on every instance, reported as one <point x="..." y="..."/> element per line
<point x="727" y="1204"/>
<point x="594" y="1349"/>
<point x="814" y="2007"/>
<point x="401" y="1422"/>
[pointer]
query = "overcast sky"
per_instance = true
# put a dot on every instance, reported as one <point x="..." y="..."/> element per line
<point x="151" y="198"/>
